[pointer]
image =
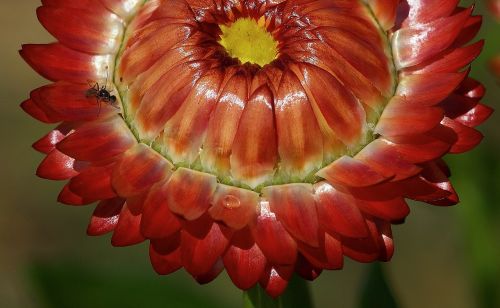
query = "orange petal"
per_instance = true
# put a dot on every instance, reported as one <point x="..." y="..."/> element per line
<point x="165" y="97"/>
<point x="254" y="154"/>
<point x="338" y="212"/>
<point x="351" y="172"/>
<point x="157" y="219"/>
<point x="385" y="12"/>
<point x="189" y="192"/>
<point x="300" y="143"/>
<point x="335" y="107"/>
<point x="273" y="239"/>
<point x="223" y="125"/>
<point x="185" y="132"/>
<point x="294" y="207"/>
<point x="138" y="170"/>
<point x="236" y="207"/>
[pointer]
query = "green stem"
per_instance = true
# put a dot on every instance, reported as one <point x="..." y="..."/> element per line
<point x="297" y="295"/>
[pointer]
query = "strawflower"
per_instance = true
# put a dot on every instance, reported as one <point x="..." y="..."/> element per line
<point x="263" y="137"/>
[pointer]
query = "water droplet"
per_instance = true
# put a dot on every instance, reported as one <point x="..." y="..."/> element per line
<point x="231" y="202"/>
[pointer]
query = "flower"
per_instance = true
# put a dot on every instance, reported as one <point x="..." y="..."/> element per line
<point x="259" y="137"/>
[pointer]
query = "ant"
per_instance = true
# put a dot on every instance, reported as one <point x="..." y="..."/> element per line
<point x="102" y="94"/>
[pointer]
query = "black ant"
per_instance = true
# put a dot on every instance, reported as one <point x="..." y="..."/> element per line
<point x="102" y="94"/>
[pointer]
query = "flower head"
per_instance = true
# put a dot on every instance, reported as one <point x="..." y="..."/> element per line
<point x="260" y="137"/>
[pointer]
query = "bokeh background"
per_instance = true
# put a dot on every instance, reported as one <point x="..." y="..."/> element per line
<point x="445" y="257"/>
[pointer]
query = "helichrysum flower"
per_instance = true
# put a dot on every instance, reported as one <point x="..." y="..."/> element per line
<point x="263" y="137"/>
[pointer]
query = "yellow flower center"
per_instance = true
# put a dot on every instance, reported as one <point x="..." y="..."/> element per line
<point x="248" y="41"/>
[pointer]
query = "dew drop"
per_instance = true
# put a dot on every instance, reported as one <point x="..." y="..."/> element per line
<point x="231" y="202"/>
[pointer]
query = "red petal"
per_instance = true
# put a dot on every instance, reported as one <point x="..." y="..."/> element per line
<point x="403" y="118"/>
<point x="68" y="197"/>
<point x="389" y="210"/>
<point x="65" y="101"/>
<point x="426" y="89"/>
<point x="475" y="116"/>
<point x="275" y="279"/>
<point x="165" y="254"/>
<point x="306" y="270"/>
<point x="350" y="172"/>
<point x="105" y="217"/>
<point x="189" y="192"/>
<point x="209" y="276"/>
<point x="236" y="207"/>
<point x="468" y="138"/>
<point x="95" y="182"/>
<point x="48" y="142"/>
<point x="469" y="31"/>
<point x="421" y="189"/>
<point x="125" y="9"/>
<point x="471" y="88"/>
<point x="323" y="56"/>
<point x="143" y="83"/>
<point x="157" y="219"/>
<point x="365" y="57"/>
<point x="294" y="207"/>
<point x="338" y="212"/>
<point x="419" y="148"/>
<point x="244" y="261"/>
<point x="127" y="231"/>
<point x="57" y="62"/>
<point x="57" y="166"/>
<point x="435" y="174"/>
<point x="327" y="256"/>
<point x="31" y="107"/>
<point x="383" y="157"/>
<point x="201" y="250"/>
<point x="138" y="169"/>
<point x="94" y="141"/>
<point x="452" y="61"/>
<point x="137" y="58"/>
<point x="97" y="33"/>
<point x="429" y="10"/>
<point x="385" y="241"/>
<point x="385" y="12"/>
<point x="432" y="37"/>
<point x="363" y="249"/>
<point x="273" y="239"/>
<point x="164" y="98"/>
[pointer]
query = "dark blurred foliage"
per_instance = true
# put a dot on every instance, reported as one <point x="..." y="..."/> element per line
<point x="445" y="257"/>
<point x="75" y="286"/>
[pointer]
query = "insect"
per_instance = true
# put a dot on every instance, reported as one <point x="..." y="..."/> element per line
<point x="102" y="94"/>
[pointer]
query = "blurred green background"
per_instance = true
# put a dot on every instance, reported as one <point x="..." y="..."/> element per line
<point x="445" y="257"/>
